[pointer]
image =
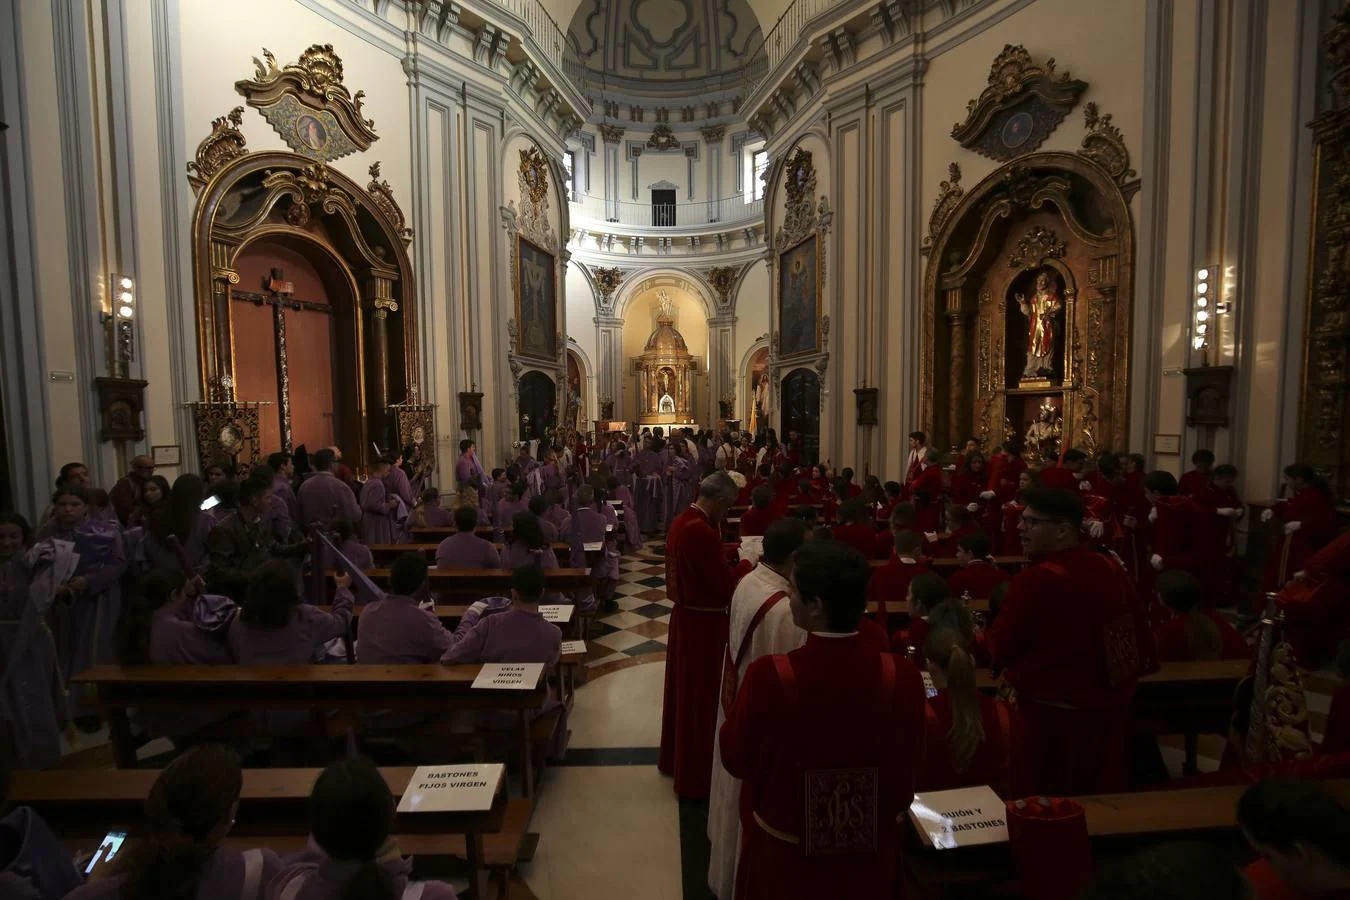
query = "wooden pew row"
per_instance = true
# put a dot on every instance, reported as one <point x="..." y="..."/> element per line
<point x="317" y="689"/>
<point x="274" y="804"/>
<point x="1116" y="823"/>
<point x="491" y="579"/>
<point x="386" y="553"/>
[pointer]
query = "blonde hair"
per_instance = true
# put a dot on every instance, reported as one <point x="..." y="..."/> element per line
<point x="465" y="495"/>
<point x="947" y="649"/>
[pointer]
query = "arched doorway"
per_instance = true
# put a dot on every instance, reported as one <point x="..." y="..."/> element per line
<point x="574" y="412"/>
<point x="757" y="392"/>
<point x="801" y="412"/>
<point x="538" y="400"/>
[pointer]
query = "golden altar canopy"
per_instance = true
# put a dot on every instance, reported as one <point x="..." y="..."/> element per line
<point x="665" y="373"/>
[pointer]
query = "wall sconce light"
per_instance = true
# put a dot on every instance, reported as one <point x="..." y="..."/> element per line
<point x="124" y="307"/>
<point x="1204" y="302"/>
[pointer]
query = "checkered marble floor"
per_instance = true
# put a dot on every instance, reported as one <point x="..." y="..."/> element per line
<point x="637" y="631"/>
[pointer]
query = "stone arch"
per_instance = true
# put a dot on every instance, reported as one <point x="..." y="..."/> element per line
<point x="635" y="283"/>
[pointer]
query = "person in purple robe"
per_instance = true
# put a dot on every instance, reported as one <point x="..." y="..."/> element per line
<point x="190" y="811"/>
<point x="529" y="547"/>
<point x="183" y="521"/>
<point x="349" y="545"/>
<point x="429" y="513"/>
<point x="34" y="864"/>
<point x="395" y="630"/>
<point x="154" y="497"/>
<point x="539" y="508"/>
<point x="350" y="852"/>
<point x="496" y="491"/>
<point x="283" y="476"/>
<point x="649" y="488"/>
<point x="162" y="627"/>
<point x="682" y="473"/>
<point x="378" y="505"/>
<point x="510" y="506"/>
<point x="468" y="470"/>
<point x="464" y="496"/>
<point x="397" y="482"/>
<point x="464" y="549"/>
<point x="556" y="514"/>
<point x="323" y="497"/>
<point x="93" y="593"/>
<point x="32" y="694"/>
<point x="590" y="525"/>
<point x="631" y="532"/>
<point x="518" y="635"/>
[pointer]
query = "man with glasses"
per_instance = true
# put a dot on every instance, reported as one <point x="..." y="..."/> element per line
<point x="1066" y="641"/>
<point x="126" y="494"/>
<point x="827" y="739"/>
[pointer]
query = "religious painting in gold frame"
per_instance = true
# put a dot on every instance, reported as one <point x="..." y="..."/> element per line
<point x="536" y="283"/>
<point x="800" y="285"/>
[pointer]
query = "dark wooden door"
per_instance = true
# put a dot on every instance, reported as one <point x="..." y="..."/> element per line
<point x="801" y="411"/>
<point x="538" y="400"/>
<point x="663" y="208"/>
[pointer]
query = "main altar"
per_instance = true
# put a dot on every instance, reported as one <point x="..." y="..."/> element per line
<point x="665" y="372"/>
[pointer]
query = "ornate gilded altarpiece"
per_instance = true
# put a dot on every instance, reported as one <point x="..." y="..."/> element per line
<point x="356" y="236"/>
<point x="1028" y="296"/>
<point x="1323" y="410"/>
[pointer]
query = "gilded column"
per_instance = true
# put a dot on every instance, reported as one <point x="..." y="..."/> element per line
<point x="220" y="342"/>
<point x="959" y="402"/>
<point x="283" y="376"/>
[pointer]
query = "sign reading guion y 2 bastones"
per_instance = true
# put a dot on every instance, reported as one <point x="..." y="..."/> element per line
<point x="467" y="788"/>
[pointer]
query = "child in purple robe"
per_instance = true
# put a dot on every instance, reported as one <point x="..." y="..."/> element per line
<point x="190" y="810"/>
<point x="528" y="547"/>
<point x="93" y="592"/>
<point x="377" y="506"/>
<point x="429" y="513"/>
<point x="632" y="535"/>
<point x="181" y="520"/>
<point x="496" y="491"/>
<point x="682" y="474"/>
<point x="557" y="515"/>
<point x="397" y="483"/>
<point x="32" y="695"/>
<point x="590" y="525"/>
<point x="350" y="851"/>
<point x="34" y="864"/>
<point x="509" y="507"/>
<point x="464" y="549"/>
<point x="539" y="508"/>
<point x="395" y="630"/>
<point x="650" y="489"/>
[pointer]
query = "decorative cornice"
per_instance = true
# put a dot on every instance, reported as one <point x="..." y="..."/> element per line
<point x="949" y="195"/>
<point x="383" y="195"/>
<point x="713" y="134"/>
<point x="1104" y="145"/>
<point x="611" y="134"/>
<point x="1035" y="247"/>
<point x="1021" y="105"/>
<point x="307" y="104"/>
<point x="663" y="139"/>
<point x="224" y="144"/>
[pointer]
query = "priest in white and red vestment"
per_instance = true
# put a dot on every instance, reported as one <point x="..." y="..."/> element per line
<point x="828" y="739"/>
<point x="761" y="625"/>
<point x="699" y="581"/>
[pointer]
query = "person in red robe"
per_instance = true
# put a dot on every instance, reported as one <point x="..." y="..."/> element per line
<point x="1196" y="481"/>
<point x="1301" y="832"/>
<point x="890" y="582"/>
<point x="1308" y="519"/>
<point x="756" y="519"/>
<point x="1005" y="469"/>
<point x="968" y="733"/>
<point x="1220" y="509"/>
<point x="1065" y="638"/>
<point x="1174" y="527"/>
<point x="855" y="528"/>
<point x="894" y="496"/>
<point x="1010" y="515"/>
<point x="1316" y="604"/>
<point x="918" y="454"/>
<point x="1068" y="474"/>
<point x="828" y="741"/>
<point x="1194" y="632"/>
<point x="978" y="574"/>
<point x="700" y="582"/>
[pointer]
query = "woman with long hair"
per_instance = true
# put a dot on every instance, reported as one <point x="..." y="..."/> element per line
<point x="154" y="497"/>
<point x="511" y="505"/>
<point x="181" y="519"/>
<point x="529" y="547"/>
<point x="351" y="854"/>
<point x="968" y="733"/>
<point x="1194" y="632"/>
<point x="1009" y="538"/>
<point x="189" y="813"/>
<point x="32" y="694"/>
<point x="92" y="595"/>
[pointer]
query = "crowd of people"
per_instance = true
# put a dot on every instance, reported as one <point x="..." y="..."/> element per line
<point x="820" y="670"/>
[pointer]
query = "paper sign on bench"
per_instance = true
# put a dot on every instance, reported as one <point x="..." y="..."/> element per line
<point x="467" y="788"/>
<point x="961" y="818"/>
<point x="571" y="648"/>
<point x="595" y="547"/>
<point x="509" y="676"/>
<point x="557" y="612"/>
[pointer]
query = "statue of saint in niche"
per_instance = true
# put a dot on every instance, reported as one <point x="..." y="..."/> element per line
<point x="1042" y="310"/>
<point x="1043" y="435"/>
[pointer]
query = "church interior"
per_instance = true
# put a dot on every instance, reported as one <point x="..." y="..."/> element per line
<point x="555" y="342"/>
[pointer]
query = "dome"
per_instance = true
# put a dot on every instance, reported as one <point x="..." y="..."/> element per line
<point x="666" y="340"/>
<point x="664" y="42"/>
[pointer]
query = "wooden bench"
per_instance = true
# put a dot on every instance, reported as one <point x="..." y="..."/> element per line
<point x="274" y="803"/>
<point x="1012" y="563"/>
<point x="385" y="554"/>
<point x="1116" y="823"/>
<point x="316" y="689"/>
<point x="436" y="535"/>
<point x="491" y="580"/>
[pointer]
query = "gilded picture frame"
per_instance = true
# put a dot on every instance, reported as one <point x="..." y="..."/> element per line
<point x="800" y="276"/>
<point x="536" y="288"/>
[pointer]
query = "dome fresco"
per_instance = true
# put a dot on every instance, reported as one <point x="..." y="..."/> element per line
<point x="665" y="40"/>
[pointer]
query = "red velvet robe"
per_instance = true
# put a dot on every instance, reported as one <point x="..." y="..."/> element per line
<point x="1059" y="628"/>
<point x="988" y="766"/>
<point x="1004" y="471"/>
<point x="1173" y="646"/>
<point x="1218" y="548"/>
<point x="700" y="582"/>
<point x="1192" y="483"/>
<point x="1317" y="609"/>
<point x="860" y="536"/>
<point x="836" y="721"/>
<point x="978" y="578"/>
<point x="1009" y="541"/>
<point x="1059" y="477"/>
<point x="754" y="521"/>
<point x="1177" y="535"/>
<point x="929" y="481"/>
<point x="1313" y="508"/>
<point x="890" y="583"/>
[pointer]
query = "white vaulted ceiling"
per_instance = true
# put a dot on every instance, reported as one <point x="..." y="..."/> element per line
<point x="664" y="41"/>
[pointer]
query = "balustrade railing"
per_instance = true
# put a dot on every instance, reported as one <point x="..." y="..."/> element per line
<point x="727" y="210"/>
<point x="782" y="39"/>
<point x="549" y="39"/>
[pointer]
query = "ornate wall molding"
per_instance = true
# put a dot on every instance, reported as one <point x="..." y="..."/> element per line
<point x="383" y="195"/>
<point x="949" y="195"/>
<point x="224" y="143"/>
<point x="1104" y="145"/>
<point x="1022" y="104"/>
<point x="307" y="104"/>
